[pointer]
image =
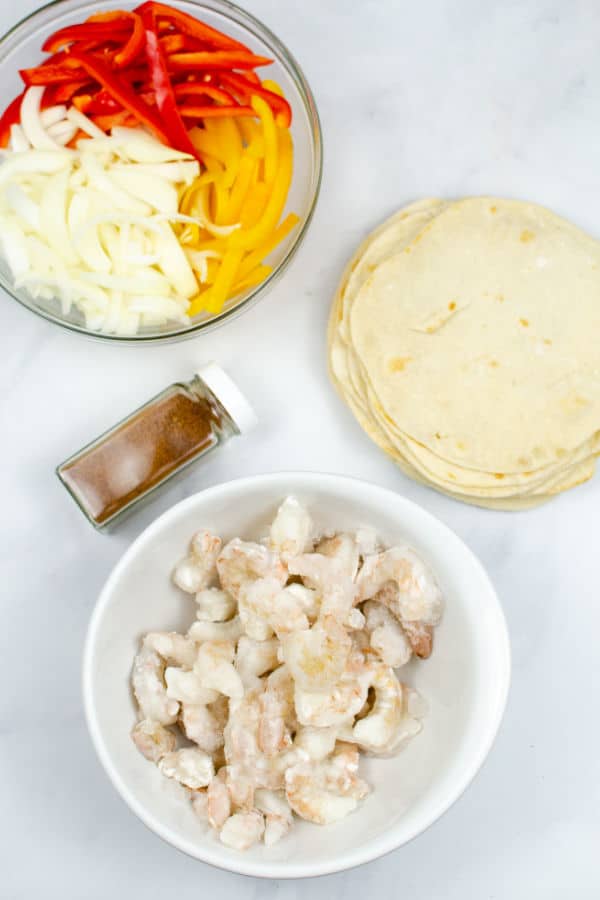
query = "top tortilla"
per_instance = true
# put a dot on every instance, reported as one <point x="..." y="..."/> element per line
<point x="480" y="338"/>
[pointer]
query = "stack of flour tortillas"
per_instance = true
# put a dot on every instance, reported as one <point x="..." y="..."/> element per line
<point x="465" y="337"/>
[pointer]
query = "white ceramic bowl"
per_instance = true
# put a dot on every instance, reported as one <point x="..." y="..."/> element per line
<point x="465" y="681"/>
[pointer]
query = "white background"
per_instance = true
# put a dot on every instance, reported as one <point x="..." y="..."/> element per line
<point x="417" y="99"/>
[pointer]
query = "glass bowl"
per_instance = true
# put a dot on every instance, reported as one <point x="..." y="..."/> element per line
<point x="21" y="48"/>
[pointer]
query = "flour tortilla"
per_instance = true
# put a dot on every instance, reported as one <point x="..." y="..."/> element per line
<point x="508" y="380"/>
<point x="410" y="227"/>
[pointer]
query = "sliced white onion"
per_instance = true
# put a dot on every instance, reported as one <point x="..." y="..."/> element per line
<point x="77" y="118"/>
<point x="52" y="115"/>
<point x="18" y="141"/>
<point x="139" y="185"/>
<point x="22" y="204"/>
<point x="31" y="120"/>
<point x="62" y="132"/>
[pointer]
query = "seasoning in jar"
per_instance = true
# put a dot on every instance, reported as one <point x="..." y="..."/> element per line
<point x="158" y="440"/>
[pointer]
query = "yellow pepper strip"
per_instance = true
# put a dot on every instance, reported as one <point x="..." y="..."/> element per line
<point x="218" y="244"/>
<point x="253" y="278"/>
<point x="239" y="189"/>
<point x="206" y="142"/>
<point x="253" y="206"/>
<point x="272" y="86"/>
<point x="252" y="237"/>
<point x="270" y="135"/>
<point x="221" y="289"/>
<point x="257" y="256"/>
<point x="197" y="302"/>
<point x="230" y="145"/>
<point x="249" y="130"/>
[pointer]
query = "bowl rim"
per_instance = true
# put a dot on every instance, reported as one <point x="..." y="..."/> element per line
<point x="286" y="58"/>
<point x="385" y="843"/>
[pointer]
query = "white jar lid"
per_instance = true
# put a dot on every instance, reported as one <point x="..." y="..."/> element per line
<point x="229" y="396"/>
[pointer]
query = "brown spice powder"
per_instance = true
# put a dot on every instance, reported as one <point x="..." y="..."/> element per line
<point x="141" y="453"/>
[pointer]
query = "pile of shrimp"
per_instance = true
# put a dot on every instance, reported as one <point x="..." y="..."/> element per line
<point x="261" y="710"/>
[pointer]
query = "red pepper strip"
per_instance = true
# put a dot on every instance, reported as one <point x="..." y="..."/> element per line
<point x="189" y="25"/>
<point x="252" y="76"/>
<point x="10" y="116"/>
<point x="190" y="88"/>
<point x="85" y="32"/>
<point x="219" y="59"/>
<point x="111" y="15"/>
<point x="172" y="43"/>
<point x="122" y="92"/>
<point x="279" y="105"/>
<point x="62" y="93"/>
<point x="134" y="46"/>
<point x="51" y="75"/>
<point x="212" y="112"/>
<point x="161" y="83"/>
<point x="106" y="123"/>
<point x="97" y="104"/>
<point x="135" y="73"/>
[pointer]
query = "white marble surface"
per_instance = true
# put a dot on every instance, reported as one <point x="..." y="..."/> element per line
<point x="438" y="97"/>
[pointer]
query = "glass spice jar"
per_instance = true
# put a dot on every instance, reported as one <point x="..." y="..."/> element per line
<point x="170" y="432"/>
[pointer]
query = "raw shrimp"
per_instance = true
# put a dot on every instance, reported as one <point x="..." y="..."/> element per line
<point x="214" y="605"/>
<point x="201" y="725"/>
<point x="254" y="658"/>
<point x="243" y="561"/>
<point x="189" y="766"/>
<point x="316" y="743"/>
<point x="152" y="739"/>
<point x="216" y="631"/>
<point x="197" y="570"/>
<point x="277" y="812"/>
<point x="266" y="608"/>
<point x="218" y="800"/>
<point x="214" y="667"/>
<point x="199" y="801"/>
<point x="242" y="830"/>
<point x="344" y="549"/>
<point x="340" y="702"/>
<point x="176" y="649"/>
<point x="292" y="529"/>
<point x="387" y="637"/>
<point x="187" y="687"/>
<point x="418" y="599"/>
<point x="317" y="656"/>
<point x="149" y="687"/>
<point x="389" y="722"/>
<point x="331" y="576"/>
<point x="327" y="791"/>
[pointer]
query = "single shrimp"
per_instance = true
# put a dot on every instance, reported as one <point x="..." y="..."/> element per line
<point x="277" y="812"/>
<point x="218" y="800"/>
<point x="149" y="687"/>
<point x="176" y="649"/>
<point x="215" y="669"/>
<point x="317" y="656"/>
<point x="242" y="830"/>
<point x="332" y="577"/>
<point x="199" y="801"/>
<point x="214" y="605"/>
<point x="390" y="722"/>
<point x="242" y="561"/>
<point x="344" y="549"/>
<point x="315" y="743"/>
<point x="340" y="702"/>
<point x="254" y="658"/>
<point x="201" y="725"/>
<point x="153" y="740"/>
<point x="216" y="631"/>
<point x="197" y="570"/>
<point x="419" y="598"/>
<point x="189" y="766"/>
<point x="387" y="637"/>
<point x="292" y="531"/>
<point x="273" y="736"/>
<point x="187" y="687"/>
<point x="325" y="792"/>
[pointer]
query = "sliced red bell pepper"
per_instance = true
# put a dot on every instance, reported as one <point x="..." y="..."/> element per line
<point x="62" y="93"/>
<point x="123" y="93"/>
<point x="161" y="83"/>
<point x="134" y="46"/>
<point x="213" y="112"/>
<point x="10" y="116"/>
<point x="172" y="43"/>
<point x="197" y="88"/>
<point x="87" y="31"/>
<point x="217" y="59"/>
<point x="101" y="103"/>
<point x="51" y="75"/>
<point x="281" y="108"/>
<point x="189" y="25"/>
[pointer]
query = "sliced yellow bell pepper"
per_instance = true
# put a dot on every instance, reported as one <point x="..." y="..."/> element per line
<point x="239" y="189"/>
<point x="252" y="237"/>
<point x="270" y="137"/>
<point x="253" y="206"/>
<point x="221" y="289"/>
<point x="262" y="251"/>
<point x="252" y="278"/>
